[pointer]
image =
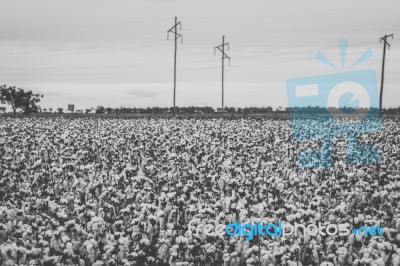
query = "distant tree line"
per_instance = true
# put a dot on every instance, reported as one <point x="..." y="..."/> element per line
<point x="151" y="110"/>
<point x="349" y="110"/>
<point x="27" y="102"/>
<point x="178" y="110"/>
<point x="211" y="110"/>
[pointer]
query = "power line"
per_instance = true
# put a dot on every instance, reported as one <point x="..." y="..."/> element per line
<point x="224" y="55"/>
<point x="385" y="43"/>
<point x="174" y="30"/>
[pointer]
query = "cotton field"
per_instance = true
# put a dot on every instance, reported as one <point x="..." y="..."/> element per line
<point x="90" y="191"/>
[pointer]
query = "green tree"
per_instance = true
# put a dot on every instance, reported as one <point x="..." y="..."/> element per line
<point x="20" y="99"/>
<point x="100" y="110"/>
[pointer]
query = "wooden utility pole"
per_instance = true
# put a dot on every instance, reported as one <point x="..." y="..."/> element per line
<point x="174" y="30"/>
<point x="385" y="43"/>
<point x="224" y="55"/>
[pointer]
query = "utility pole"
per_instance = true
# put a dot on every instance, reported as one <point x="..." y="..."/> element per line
<point x="174" y="30"/>
<point x="224" y="55"/>
<point x="385" y="43"/>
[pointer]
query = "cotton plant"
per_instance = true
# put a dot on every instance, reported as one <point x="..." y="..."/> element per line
<point x="99" y="175"/>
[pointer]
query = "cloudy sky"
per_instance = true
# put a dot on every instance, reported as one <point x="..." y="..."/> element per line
<point x="116" y="53"/>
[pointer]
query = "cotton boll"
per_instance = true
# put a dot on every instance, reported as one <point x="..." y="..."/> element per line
<point x="250" y="261"/>
<point x="327" y="263"/>
<point x="360" y="173"/>
<point x="379" y="262"/>
<point x="388" y="246"/>
<point x="145" y="242"/>
<point x="256" y="249"/>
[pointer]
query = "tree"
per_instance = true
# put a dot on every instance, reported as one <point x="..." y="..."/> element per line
<point x="230" y="109"/>
<point x="20" y="99"/>
<point x="100" y="110"/>
<point x="60" y="110"/>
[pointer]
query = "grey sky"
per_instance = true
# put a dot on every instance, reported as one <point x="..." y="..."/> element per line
<point x="115" y="53"/>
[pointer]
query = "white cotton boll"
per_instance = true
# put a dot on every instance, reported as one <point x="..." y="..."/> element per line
<point x="250" y="261"/>
<point x="108" y="247"/>
<point x="315" y="255"/>
<point x="65" y="238"/>
<point x="276" y="253"/>
<point x="96" y="220"/>
<point x="95" y="227"/>
<point x="351" y="239"/>
<point x="69" y="246"/>
<point x="380" y="246"/>
<point x="379" y="262"/>
<point x="388" y="246"/>
<point x="256" y="249"/>
<point x="248" y="252"/>
<point x="22" y="250"/>
<point x="309" y="212"/>
<point x="145" y="242"/>
<point x="327" y="263"/>
<point x="68" y="250"/>
<point x="273" y="244"/>
<point x="266" y="258"/>
<point x="396" y="260"/>
<point x="63" y="201"/>
<point x="358" y="238"/>
<point x="350" y="175"/>
<point x="293" y="263"/>
<point x="360" y="173"/>
<point x="307" y="238"/>
<point x="366" y="255"/>
<point x="48" y="233"/>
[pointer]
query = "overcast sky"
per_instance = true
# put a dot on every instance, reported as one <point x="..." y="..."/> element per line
<point x="116" y="53"/>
